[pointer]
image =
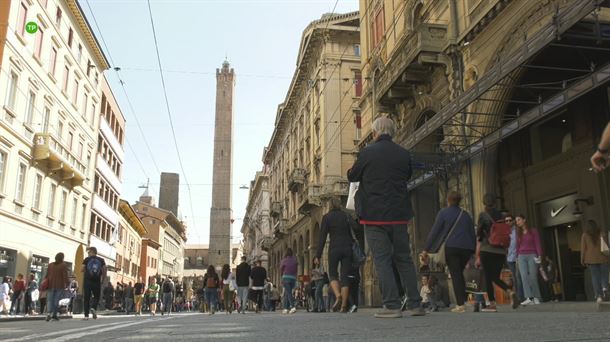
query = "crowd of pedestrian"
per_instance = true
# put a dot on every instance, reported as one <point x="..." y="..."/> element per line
<point x="383" y="211"/>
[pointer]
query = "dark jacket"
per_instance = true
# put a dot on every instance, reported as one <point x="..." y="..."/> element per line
<point x="383" y="170"/>
<point x="463" y="235"/>
<point x="336" y="224"/>
<point x="258" y="275"/>
<point x="243" y="274"/>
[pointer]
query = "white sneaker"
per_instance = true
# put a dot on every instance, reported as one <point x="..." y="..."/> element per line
<point x="527" y="302"/>
<point x="536" y="301"/>
<point x="285" y="312"/>
<point x="599" y="300"/>
<point x="293" y="310"/>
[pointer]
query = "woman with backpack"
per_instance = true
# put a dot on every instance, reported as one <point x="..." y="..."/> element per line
<point x="492" y="257"/>
<point x="211" y="282"/>
<point x="153" y="295"/>
<point x="453" y="227"/>
<point x="228" y="287"/>
<point x="592" y="257"/>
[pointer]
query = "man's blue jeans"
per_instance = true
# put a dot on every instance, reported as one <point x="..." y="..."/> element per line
<point x="517" y="285"/>
<point x="390" y="243"/>
<point x="53" y="297"/>
<point x="289" y="285"/>
<point x="319" y="299"/>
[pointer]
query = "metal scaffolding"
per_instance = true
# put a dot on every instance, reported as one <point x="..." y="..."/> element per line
<point x="559" y="85"/>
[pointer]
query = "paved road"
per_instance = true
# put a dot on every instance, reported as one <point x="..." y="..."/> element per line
<point x="504" y="326"/>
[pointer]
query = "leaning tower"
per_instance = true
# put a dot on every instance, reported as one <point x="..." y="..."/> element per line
<point x="220" y="214"/>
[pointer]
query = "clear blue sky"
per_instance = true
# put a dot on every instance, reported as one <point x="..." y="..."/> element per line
<point x="260" y="38"/>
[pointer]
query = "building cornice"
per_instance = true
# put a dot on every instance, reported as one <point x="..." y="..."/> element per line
<point x="126" y="210"/>
<point x="313" y="33"/>
<point x="84" y="26"/>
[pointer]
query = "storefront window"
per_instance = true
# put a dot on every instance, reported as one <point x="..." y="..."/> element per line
<point x="39" y="266"/>
<point x="7" y="262"/>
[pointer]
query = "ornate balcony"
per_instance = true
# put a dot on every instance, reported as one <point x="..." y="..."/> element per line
<point x="266" y="243"/>
<point x="296" y="179"/>
<point x="276" y="209"/>
<point x="312" y="200"/>
<point x="59" y="159"/>
<point x="336" y="188"/>
<point x="280" y="228"/>
<point x="410" y="61"/>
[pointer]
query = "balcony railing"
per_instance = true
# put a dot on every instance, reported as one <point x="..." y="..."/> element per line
<point x="336" y="188"/>
<point x="280" y="228"/>
<point x="296" y="179"/>
<point x="423" y="46"/>
<point x="312" y="200"/>
<point x="59" y="158"/>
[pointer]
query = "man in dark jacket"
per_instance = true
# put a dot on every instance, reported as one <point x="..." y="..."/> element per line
<point x="383" y="206"/>
<point x="259" y="275"/>
<point x="243" y="283"/>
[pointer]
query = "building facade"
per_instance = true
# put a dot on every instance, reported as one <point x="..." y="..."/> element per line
<point x="128" y="246"/>
<point x="105" y="217"/>
<point x="149" y="260"/>
<point x="488" y="99"/>
<point x="165" y="230"/>
<point x="316" y="132"/>
<point x="50" y="98"/>
<point x="256" y="228"/>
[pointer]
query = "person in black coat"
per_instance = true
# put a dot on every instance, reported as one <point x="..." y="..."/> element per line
<point x="383" y="206"/>
<point x="242" y="278"/>
<point x="337" y="224"/>
<point x="258" y="276"/>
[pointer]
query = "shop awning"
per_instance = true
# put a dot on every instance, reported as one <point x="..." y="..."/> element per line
<point x="559" y="84"/>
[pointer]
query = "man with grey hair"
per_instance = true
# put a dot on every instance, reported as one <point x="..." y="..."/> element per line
<point x="383" y="206"/>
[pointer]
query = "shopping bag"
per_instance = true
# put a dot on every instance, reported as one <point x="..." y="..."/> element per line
<point x="351" y="197"/>
<point x="604" y="246"/>
<point x="557" y="289"/>
<point x="475" y="280"/>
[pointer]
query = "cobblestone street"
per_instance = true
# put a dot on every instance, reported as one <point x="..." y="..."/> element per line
<point x="507" y="325"/>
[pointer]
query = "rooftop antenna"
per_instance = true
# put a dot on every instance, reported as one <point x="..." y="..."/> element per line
<point x="145" y="187"/>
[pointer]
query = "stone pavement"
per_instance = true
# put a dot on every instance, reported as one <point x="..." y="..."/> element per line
<point x="526" y="324"/>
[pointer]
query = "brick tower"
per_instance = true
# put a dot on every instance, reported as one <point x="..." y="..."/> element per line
<point x="220" y="215"/>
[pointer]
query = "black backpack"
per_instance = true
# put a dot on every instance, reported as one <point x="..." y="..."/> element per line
<point x="167" y="287"/>
<point x="94" y="268"/>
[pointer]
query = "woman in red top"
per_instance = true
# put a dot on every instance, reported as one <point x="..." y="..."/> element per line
<point x="18" y="291"/>
<point x="529" y="254"/>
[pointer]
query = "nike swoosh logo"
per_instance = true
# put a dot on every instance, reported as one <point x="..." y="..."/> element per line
<point x="556" y="212"/>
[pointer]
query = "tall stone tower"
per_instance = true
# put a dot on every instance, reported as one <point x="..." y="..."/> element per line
<point x="169" y="192"/>
<point x="220" y="215"/>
